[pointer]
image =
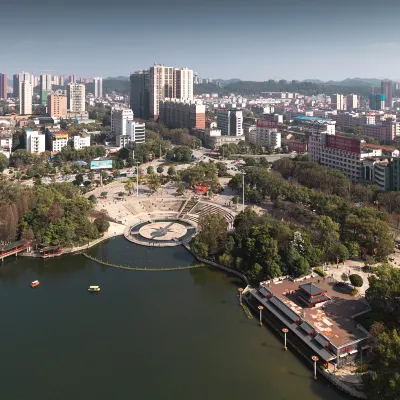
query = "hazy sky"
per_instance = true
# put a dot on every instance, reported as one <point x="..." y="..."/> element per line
<point x="246" y="39"/>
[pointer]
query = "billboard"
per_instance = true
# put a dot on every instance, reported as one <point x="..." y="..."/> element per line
<point x="343" y="143"/>
<point x="101" y="164"/>
<point x="297" y="146"/>
<point x="266" y="124"/>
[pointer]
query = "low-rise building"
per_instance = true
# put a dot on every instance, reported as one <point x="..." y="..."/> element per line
<point x="81" y="141"/>
<point x="266" y="134"/>
<point x="58" y="141"/>
<point x="135" y="133"/>
<point x="176" y="113"/>
<point x="35" y="141"/>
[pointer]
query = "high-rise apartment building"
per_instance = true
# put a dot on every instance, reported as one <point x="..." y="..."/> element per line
<point x="230" y="122"/>
<point x="184" y="83"/>
<point x="119" y="119"/>
<point x="56" y="80"/>
<point x="3" y="86"/>
<point x="57" y="105"/>
<point x="140" y="93"/>
<point x="387" y="90"/>
<point x="338" y="102"/>
<point x="266" y="134"/>
<point x="76" y="97"/>
<point x="168" y="82"/>
<point x="62" y="80"/>
<point x="98" y="87"/>
<point x="45" y="87"/>
<point x="25" y="97"/>
<point x="352" y="102"/>
<point x="72" y="79"/>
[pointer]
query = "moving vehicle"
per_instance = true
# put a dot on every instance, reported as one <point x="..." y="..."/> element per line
<point x="35" y="284"/>
<point x="94" y="289"/>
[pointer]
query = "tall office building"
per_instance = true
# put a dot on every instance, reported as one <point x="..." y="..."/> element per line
<point x="230" y="122"/>
<point x="25" y="97"/>
<point x="168" y="82"/>
<point x="57" y="105"/>
<point x="45" y="88"/>
<point x="15" y="92"/>
<point x="3" y="86"/>
<point x="98" y="87"/>
<point x="140" y="93"/>
<point x="387" y="90"/>
<point x="76" y="97"/>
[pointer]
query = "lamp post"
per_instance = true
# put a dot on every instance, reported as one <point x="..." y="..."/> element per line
<point x="137" y="178"/>
<point x="244" y="173"/>
<point x="315" y="359"/>
<point x="260" y="308"/>
<point x="285" y="331"/>
<point x="240" y="290"/>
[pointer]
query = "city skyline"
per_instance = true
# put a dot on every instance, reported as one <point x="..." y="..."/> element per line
<point x="250" y="41"/>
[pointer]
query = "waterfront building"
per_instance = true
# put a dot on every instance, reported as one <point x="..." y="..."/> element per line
<point x="175" y="113"/>
<point x="387" y="90"/>
<point x="57" y="105"/>
<point x="306" y="311"/>
<point x="230" y="122"/>
<point x="35" y="141"/>
<point x="76" y="98"/>
<point x="25" y="98"/>
<point x="3" y="86"/>
<point x="98" y="87"/>
<point x="139" y="97"/>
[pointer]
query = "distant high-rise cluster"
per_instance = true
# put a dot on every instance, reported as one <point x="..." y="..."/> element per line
<point x="387" y="90"/>
<point x="150" y="87"/>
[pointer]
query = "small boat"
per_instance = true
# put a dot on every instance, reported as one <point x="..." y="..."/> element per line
<point x="35" y="283"/>
<point x="94" y="289"/>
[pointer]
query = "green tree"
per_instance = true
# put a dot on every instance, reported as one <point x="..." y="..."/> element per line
<point x="153" y="182"/>
<point x="384" y="381"/>
<point x="356" y="280"/>
<point x="150" y="170"/>
<point x="213" y="232"/>
<point x="93" y="199"/>
<point x="160" y="169"/>
<point x="101" y="225"/>
<point x="326" y="235"/>
<point x="171" y="171"/>
<point x="353" y="248"/>
<point x="344" y="277"/>
<point x="129" y="187"/>
<point x="180" y="188"/>
<point x="3" y="162"/>
<point x="199" y="247"/>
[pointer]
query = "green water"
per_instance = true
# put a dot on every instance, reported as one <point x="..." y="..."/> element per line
<point x="146" y="335"/>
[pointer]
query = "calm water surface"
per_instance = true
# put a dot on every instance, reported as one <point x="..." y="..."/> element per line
<point x="147" y="335"/>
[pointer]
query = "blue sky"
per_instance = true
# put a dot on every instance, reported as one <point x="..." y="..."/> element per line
<point x="247" y="39"/>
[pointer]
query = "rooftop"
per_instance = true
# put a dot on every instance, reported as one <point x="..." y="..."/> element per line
<point x="315" y="119"/>
<point x="334" y="319"/>
<point x="311" y="289"/>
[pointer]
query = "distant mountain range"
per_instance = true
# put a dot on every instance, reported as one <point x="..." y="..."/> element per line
<point x="349" y="82"/>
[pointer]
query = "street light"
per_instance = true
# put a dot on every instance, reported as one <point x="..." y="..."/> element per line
<point x="243" y="174"/>
<point x="240" y="290"/>
<point x="260" y="308"/>
<point x="285" y="331"/>
<point x="137" y="178"/>
<point x="315" y="359"/>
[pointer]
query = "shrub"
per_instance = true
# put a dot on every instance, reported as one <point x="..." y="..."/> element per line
<point x="362" y="368"/>
<point x="356" y="280"/>
<point x="319" y="272"/>
<point x="354" y="292"/>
